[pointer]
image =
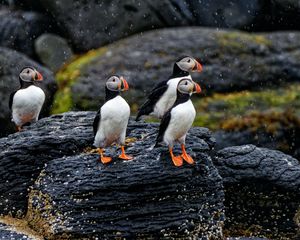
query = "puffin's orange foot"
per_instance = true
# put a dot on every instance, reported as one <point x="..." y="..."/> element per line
<point x="19" y="129"/>
<point x="105" y="160"/>
<point x="125" y="157"/>
<point x="177" y="161"/>
<point x="188" y="158"/>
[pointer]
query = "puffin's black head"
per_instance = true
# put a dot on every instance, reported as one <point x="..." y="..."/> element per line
<point x="30" y="74"/>
<point x="117" y="83"/>
<point x="188" y="64"/>
<point x="188" y="86"/>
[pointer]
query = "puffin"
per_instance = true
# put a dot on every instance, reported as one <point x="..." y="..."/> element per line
<point x="163" y="95"/>
<point x="111" y="120"/>
<point x="178" y="120"/>
<point x="26" y="103"/>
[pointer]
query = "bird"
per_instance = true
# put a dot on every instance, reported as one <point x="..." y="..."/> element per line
<point x="163" y="95"/>
<point x="111" y="120"/>
<point x="178" y="120"/>
<point x="26" y="102"/>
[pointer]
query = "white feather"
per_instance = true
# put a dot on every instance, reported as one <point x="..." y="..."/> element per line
<point x="182" y="118"/>
<point x="113" y="123"/>
<point x="27" y="105"/>
<point x="168" y="98"/>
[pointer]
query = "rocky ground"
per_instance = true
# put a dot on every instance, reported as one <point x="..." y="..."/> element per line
<point x="56" y="185"/>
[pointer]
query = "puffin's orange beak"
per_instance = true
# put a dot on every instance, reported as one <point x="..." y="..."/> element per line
<point x="197" y="67"/>
<point x="38" y="76"/>
<point x="125" y="85"/>
<point x="197" y="88"/>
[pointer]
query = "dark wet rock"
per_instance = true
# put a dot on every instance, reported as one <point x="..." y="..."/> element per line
<point x="25" y="154"/>
<point x="145" y="197"/>
<point x="119" y="19"/>
<point x="6" y="233"/>
<point x="19" y="29"/>
<point x="222" y="14"/>
<point x="262" y="191"/>
<point x="53" y="51"/>
<point x="288" y="143"/>
<point x="11" y="63"/>
<point x="91" y="24"/>
<point x="246" y="238"/>
<point x="232" y="61"/>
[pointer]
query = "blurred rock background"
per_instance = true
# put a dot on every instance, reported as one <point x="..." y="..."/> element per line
<point x="250" y="51"/>
<point x="250" y="80"/>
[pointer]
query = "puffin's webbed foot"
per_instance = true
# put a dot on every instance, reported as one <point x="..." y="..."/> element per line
<point x="177" y="160"/>
<point x="124" y="156"/>
<point x="102" y="158"/>
<point x="105" y="160"/>
<point x="186" y="156"/>
<point x="19" y="129"/>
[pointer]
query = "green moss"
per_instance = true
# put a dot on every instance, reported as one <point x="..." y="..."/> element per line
<point x="67" y="76"/>
<point x="214" y="111"/>
<point x="238" y="41"/>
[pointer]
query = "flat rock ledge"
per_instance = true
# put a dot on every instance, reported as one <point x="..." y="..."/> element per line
<point x="64" y="192"/>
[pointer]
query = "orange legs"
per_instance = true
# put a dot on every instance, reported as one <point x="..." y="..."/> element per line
<point x="18" y="128"/>
<point x="102" y="158"/>
<point x="177" y="160"/>
<point x="123" y="155"/>
<point x="105" y="160"/>
<point x="185" y="156"/>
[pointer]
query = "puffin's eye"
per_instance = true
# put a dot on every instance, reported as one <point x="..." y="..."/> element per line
<point x="186" y="83"/>
<point x="114" y="80"/>
<point x="189" y="61"/>
<point x="28" y="71"/>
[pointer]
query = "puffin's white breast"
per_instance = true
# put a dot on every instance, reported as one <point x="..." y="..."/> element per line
<point x="114" y="119"/>
<point x="168" y="98"/>
<point x="182" y="118"/>
<point x="27" y="104"/>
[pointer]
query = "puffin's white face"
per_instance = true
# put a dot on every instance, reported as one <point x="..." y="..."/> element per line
<point x="187" y="86"/>
<point x="116" y="83"/>
<point x="29" y="74"/>
<point x="189" y="64"/>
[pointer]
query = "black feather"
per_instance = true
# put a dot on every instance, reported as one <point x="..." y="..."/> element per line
<point x="162" y="127"/>
<point x="152" y="99"/>
<point x="96" y="122"/>
<point x="11" y="98"/>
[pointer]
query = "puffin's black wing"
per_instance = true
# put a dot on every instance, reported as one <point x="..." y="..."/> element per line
<point x="96" y="122"/>
<point x="153" y="97"/>
<point x="163" y="126"/>
<point x="11" y="98"/>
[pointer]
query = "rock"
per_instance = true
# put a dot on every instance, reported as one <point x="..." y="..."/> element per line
<point x="246" y="238"/>
<point x="261" y="191"/>
<point x="156" y="198"/>
<point x="232" y="61"/>
<point x="16" y="229"/>
<point x="53" y="51"/>
<point x="147" y="197"/>
<point x="11" y="62"/>
<point x="91" y="24"/>
<point x="19" y="29"/>
<point x="271" y="129"/>
<point x="7" y="233"/>
<point x="26" y="152"/>
<point x="222" y="14"/>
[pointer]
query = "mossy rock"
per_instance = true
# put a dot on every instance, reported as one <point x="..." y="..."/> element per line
<point x="232" y="61"/>
<point x="225" y="111"/>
